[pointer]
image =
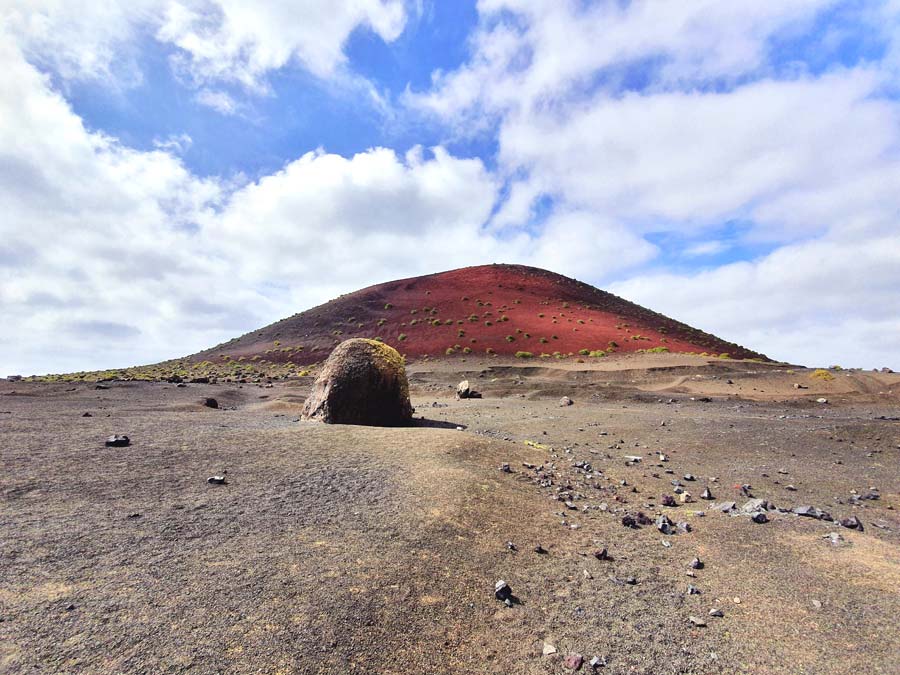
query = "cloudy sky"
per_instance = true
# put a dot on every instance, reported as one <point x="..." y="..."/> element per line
<point x="177" y="172"/>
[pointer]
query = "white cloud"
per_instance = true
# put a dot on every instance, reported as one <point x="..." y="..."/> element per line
<point x="219" y="101"/>
<point x="818" y="302"/>
<point x="233" y="41"/>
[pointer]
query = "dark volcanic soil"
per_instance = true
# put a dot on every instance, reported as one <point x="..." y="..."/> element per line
<point x="335" y="549"/>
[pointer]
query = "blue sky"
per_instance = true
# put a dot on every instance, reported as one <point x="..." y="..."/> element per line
<point x="176" y="173"/>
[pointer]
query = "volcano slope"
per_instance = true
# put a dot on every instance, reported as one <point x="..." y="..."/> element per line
<point x="492" y="309"/>
<point x="343" y="549"/>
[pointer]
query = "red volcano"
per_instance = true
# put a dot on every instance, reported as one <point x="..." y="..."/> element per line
<point x="491" y="309"/>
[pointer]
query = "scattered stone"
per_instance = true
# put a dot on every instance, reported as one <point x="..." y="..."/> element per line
<point x="216" y="480"/>
<point x="511" y="546"/>
<point x="631" y="581"/>
<point x="755" y="505"/>
<point x="87" y="414"/>
<point x="565" y="401"/>
<point x="587" y="574"/>
<point x="629" y="521"/>
<point x="663" y="457"/>
<point x="668" y="500"/>
<point x="852" y="523"/>
<point x="737" y="600"/>
<point x="811" y="512"/>
<point x="693" y="590"/>
<point x="643" y="519"/>
<point x="118" y="441"/>
<point x="697" y="621"/>
<point x="362" y="382"/>
<point x="597" y="662"/>
<point x="684" y="526"/>
<point x="663" y="524"/>
<point x="724" y="507"/>
<point x="817" y="604"/>
<point x="696" y="564"/>
<point x="548" y="649"/>
<point x="505" y="468"/>
<point x="502" y="591"/>
<point x="602" y="554"/>
<point x="834" y="537"/>
<point x="573" y="661"/>
<point x="685" y="498"/>
<point x="101" y="386"/>
<point x="210" y="403"/>
<point x="706" y="494"/>
<point x="822" y="400"/>
<point x="134" y="515"/>
<point x="716" y="612"/>
<point x="790" y="488"/>
<point x="689" y="476"/>
<point x="540" y="550"/>
<point x="759" y="518"/>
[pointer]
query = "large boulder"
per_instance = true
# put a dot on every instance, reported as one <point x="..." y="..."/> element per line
<point x="362" y="382"/>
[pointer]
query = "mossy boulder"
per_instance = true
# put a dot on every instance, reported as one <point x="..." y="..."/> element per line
<point x="362" y="382"/>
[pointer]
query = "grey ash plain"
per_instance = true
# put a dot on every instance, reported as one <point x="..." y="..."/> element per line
<point x="343" y="549"/>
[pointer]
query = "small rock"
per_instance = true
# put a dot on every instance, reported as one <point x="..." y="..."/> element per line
<point x="851" y="523"/>
<point x="511" y="546"/>
<point x="118" y="441"/>
<point x="755" y="505"/>
<point x="724" y="507"/>
<point x="631" y="581"/>
<point x="822" y="400"/>
<point x="693" y="590"/>
<point x="817" y="604"/>
<point x="602" y="554"/>
<point x="668" y="500"/>
<point x="540" y="549"/>
<point x="706" y="494"/>
<point x="548" y="649"/>
<point x="573" y="661"/>
<point x="697" y="621"/>
<point x="759" y="518"/>
<point x="502" y="591"/>
<point x="210" y="403"/>
<point x="716" y="612"/>
<point x="216" y="480"/>
<point x="597" y="662"/>
<point x="696" y="564"/>
<point x="663" y="524"/>
<point x="505" y="468"/>
<point x="565" y="401"/>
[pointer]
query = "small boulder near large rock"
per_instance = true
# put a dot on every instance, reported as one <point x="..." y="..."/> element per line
<point x="463" y="390"/>
<point x="362" y="382"/>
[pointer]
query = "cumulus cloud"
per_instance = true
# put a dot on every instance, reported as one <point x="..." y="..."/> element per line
<point x="234" y="41"/>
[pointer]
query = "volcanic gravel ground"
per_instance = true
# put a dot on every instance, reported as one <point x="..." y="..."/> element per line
<point x="348" y="549"/>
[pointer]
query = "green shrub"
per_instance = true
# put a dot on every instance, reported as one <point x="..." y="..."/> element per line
<point x="510" y="338"/>
<point x="597" y="353"/>
<point x="401" y="337"/>
<point x="388" y="305"/>
<point x="543" y="340"/>
<point x="467" y="350"/>
<point x="524" y="355"/>
<point x="584" y="352"/>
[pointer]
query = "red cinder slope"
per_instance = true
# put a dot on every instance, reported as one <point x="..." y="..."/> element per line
<point x="500" y="309"/>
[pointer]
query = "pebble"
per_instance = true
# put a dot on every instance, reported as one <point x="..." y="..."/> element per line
<point x="573" y="661"/>
<point x="540" y="549"/>
<point x="696" y="564"/>
<point x="697" y="621"/>
<point x="565" y="401"/>
<point x="210" y="403"/>
<point x="706" y="494"/>
<point x="716" y="612"/>
<point x="548" y="649"/>
<point x="118" y="441"/>
<point x="216" y="480"/>
<point x="760" y="518"/>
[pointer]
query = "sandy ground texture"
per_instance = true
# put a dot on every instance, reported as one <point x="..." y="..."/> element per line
<point x="342" y="549"/>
